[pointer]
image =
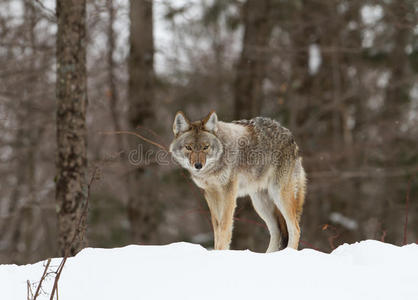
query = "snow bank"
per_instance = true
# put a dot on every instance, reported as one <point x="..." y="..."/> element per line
<point x="365" y="270"/>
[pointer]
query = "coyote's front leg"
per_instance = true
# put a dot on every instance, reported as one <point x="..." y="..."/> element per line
<point x="222" y="205"/>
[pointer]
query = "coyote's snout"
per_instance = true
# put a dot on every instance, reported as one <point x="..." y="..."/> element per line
<point x="256" y="157"/>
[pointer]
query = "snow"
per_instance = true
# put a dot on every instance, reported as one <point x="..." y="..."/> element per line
<point x="365" y="270"/>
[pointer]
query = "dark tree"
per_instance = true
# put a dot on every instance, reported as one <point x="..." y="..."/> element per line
<point x="143" y="205"/>
<point x="251" y="67"/>
<point x="71" y="89"/>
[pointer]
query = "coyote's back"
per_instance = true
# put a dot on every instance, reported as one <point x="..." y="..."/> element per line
<point x="256" y="157"/>
<point x="267" y="144"/>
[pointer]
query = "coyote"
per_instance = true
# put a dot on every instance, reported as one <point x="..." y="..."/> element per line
<point x="256" y="157"/>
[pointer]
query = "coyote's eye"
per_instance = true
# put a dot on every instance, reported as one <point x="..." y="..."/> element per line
<point x="188" y="148"/>
<point x="206" y="147"/>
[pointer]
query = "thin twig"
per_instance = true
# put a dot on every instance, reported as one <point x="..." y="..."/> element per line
<point x="30" y="294"/>
<point x="57" y="277"/>
<point x="331" y="238"/>
<point x="151" y="131"/>
<point x="42" y="279"/>
<point x="135" y="134"/>
<point x="305" y="243"/>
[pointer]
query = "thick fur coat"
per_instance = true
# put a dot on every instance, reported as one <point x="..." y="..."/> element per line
<point x="256" y="157"/>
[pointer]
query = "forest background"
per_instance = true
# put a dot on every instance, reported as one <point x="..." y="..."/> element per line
<point x="341" y="75"/>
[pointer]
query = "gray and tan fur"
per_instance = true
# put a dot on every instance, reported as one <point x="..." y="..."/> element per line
<point x="256" y="157"/>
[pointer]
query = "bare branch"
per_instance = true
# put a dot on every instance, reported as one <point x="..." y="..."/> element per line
<point x="135" y="134"/>
<point x="42" y="279"/>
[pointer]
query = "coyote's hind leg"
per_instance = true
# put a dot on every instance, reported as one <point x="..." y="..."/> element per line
<point x="265" y="208"/>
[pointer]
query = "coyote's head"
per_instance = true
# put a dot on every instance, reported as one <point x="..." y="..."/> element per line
<point x="196" y="146"/>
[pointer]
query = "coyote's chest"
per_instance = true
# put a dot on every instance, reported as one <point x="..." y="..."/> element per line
<point x="213" y="181"/>
<point x="246" y="182"/>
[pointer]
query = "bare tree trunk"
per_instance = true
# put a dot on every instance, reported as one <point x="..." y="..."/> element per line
<point x="71" y="89"/>
<point x="27" y="222"/>
<point x="144" y="210"/>
<point x="113" y="91"/>
<point x="251" y="68"/>
<point x="250" y="74"/>
<point x="397" y="95"/>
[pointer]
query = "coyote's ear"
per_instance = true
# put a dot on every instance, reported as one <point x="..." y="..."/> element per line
<point x="181" y="124"/>
<point x="211" y="121"/>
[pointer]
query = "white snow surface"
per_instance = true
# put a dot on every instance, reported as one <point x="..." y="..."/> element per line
<point x="364" y="270"/>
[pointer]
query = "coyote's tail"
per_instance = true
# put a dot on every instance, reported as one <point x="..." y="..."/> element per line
<point x="297" y="198"/>
<point x="301" y="188"/>
<point x="300" y="198"/>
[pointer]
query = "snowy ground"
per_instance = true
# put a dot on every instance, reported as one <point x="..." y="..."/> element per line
<point x="365" y="270"/>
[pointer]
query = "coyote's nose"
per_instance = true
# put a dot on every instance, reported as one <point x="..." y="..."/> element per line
<point x="198" y="166"/>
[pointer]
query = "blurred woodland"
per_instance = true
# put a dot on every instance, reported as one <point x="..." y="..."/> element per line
<point x="340" y="74"/>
